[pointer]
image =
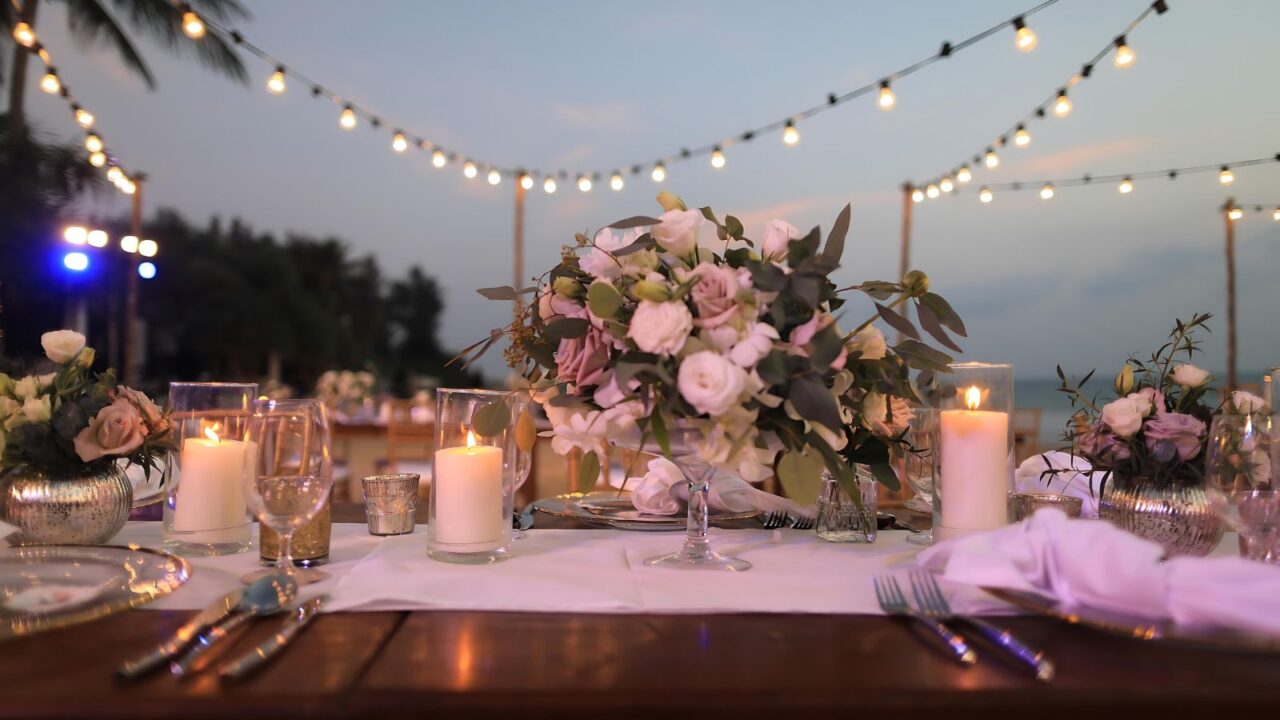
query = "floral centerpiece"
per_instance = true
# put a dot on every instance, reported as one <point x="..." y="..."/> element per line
<point x="72" y="426"/>
<point x="641" y="329"/>
<point x="346" y="390"/>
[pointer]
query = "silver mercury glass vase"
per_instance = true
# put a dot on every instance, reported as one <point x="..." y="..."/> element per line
<point x="86" y="507"/>
<point x="1177" y="516"/>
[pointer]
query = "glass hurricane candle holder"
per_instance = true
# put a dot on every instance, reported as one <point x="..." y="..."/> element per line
<point x="975" y="461"/>
<point x="205" y="512"/>
<point x="479" y="461"/>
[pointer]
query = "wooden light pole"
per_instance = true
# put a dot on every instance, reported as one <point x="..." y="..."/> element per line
<point x="905" y="260"/>
<point x="131" y="361"/>
<point x="1230" y="249"/>
<point x="517" y="250"/>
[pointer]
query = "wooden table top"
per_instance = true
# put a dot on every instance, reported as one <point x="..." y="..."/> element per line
<point x="517" y="665"/>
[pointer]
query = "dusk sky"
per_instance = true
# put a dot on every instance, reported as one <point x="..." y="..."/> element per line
<point x="1080" y="280"/>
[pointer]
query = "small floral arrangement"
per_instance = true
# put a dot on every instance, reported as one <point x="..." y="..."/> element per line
<point x="336" y="387"/>
<point x="641" y="326"/>
<point x="60" y="421"/>
<point x="1156" y="427"/>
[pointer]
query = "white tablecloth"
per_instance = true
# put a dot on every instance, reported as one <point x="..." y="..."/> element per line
<point x="595" y="571"/>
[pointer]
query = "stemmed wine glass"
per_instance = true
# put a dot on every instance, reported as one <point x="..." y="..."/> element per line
<point x="1241" y="481"/>
<point x="294" y="473"/>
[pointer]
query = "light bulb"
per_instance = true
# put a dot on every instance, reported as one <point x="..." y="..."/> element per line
<point x="97" y="238"/>
<point x="991" y="158"/>
<point x="114" y="174"/>
<point x="1235" y="213"/>
<point x="92" y="143"/>
<point x="1126" y="186"/>
<point x="148" y="248"/>
<point x="931" y="191"/>
<point x="75" y="234"/>
<point x="275" y="83"/>
<point x="129" y="244"/>
<point x="50" y="82"/>
<point x="1124" y="54"/>
<point x="399" y="143"/>
<point x="790" y="135"/>
<point x="526" y="181"/>
<point x="886" y="100"/>
<point x="584" y="183"/>
<point x="964" y="174"/>
<point x="1046" y="192"/>
<point x="659" y="172"/>
<point x="1025" y="39"/>
<point x="917" y="195"/>
<point x="439" y="159"/>
<point x="1022" y="138"/>
<point x="128" y="187"/>
<point x="1226" y="177"/>
<point x="616" y="182"/>
<point x="985" y="195"/>
<point x="1276" y="215"/>
<point x="347" y="120"/>
<point x="549" y="185"/>
<point x="495" y="177"/>
<point x="717" y="158"/>
<point x="470" y="169"/>
<point x="84" y="118"/>
<point x="946" y="185"/>
<point x="146" y="270"/>
<point x="24" y="35"/>
<point x="98" y="159"/>
<point x="192" y="25"/>
<point x="1062" y="106"/>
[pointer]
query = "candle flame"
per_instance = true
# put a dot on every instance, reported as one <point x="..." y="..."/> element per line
<point x="471" y="439"/>
<point x="973" y="397"/>
<point x="211" y="434"/>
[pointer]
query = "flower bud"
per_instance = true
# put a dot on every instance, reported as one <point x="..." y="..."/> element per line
<point x="916" y="283"/>
<point x="1124" y="380"/>
<point x="85" y="358"/>
<point x="670" y="201"/>
<point x="651" y="290"/>
<point x="568" y="288"/>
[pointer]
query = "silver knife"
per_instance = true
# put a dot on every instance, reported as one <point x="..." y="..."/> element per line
<point x="210" y="616"/>
<point x="259" y="656"/>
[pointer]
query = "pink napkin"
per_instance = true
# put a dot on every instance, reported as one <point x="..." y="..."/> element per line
<point x="663" y="490"/>
<point x="1090" y="563"/>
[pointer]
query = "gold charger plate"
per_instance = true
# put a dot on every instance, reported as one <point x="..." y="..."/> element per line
<point x="609" y="509"/>
<point x="1216" y="638"/>
<point x="43" y="587"/>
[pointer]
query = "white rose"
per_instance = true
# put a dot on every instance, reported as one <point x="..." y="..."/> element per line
<point x="1144" y="401"/>
<point x="777" y="236"/>
<point x="678" y="231"/>
<point x="37" y="410"/>
<point x="711" y="383"/>
<point x="8" y="406"/>
<point x="875" y="406"/>
<point x="62" y="346"/>
<point x="752" y="349"/>
<point x="869" y="342"/>
<point x="27" y="387"/>
<point x="602" y="263"/>
<point x="1123" y="416"/>
<point x="1190" y="376"/>
<point x="660" y="327"/>
<point x="1247" y="403"/>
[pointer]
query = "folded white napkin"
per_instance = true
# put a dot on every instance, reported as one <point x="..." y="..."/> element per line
<point x="1090" y="563"/>
<point x="1074" y="479"/>
<point x="663" y="490"/>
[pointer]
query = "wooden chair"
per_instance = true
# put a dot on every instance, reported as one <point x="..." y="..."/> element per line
<point x="408" y="440"/>
<point x="1026" y="432"/>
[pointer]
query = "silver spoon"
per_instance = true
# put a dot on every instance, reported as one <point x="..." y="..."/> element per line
<point x="267" y="595"/>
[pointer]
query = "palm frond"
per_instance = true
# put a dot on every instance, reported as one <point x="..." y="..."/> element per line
<point x="90" y="22"/>
<point x="162" y="20"/>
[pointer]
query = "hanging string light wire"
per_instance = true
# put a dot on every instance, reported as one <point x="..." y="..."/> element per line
<point x="832" y="100"/>
<point x="1054" y="102"/>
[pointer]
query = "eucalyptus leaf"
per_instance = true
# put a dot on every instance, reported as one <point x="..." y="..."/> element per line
<point x="633" y="222"/>
<point x="502" y="292"/>
<point x="801" y="476"/>
<point x="659" y="427"/>
<point x="806" y="289"/>
<point x="734" y="226"/>
<point x="644" y="242"/>
<point x="835" y="240"/>
<point x="929" y="322"/>
<point x="886" y="476"/>
<point x="826" y="347"/>
<point x="815" y="402"/>
<point x="566" y="328"/>
<point x="946" y="315"/>
<point x="897" y="321"/>
<point x="492" y="419"/>
<point x="588" y="472"/>
<point x="603" y="299"/>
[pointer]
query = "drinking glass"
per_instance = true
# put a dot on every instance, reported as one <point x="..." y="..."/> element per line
<point x="1240" y="479"/>
<point x="294" y="474"/>
<point x="920" y="466"/>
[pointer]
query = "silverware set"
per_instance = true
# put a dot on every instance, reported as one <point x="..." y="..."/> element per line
<point x="932" y="610"/>
<point x="777" y="519"/>
<point x="187" y="650"/>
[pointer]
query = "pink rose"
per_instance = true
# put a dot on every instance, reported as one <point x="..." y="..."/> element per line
<point x="1098" y="442"/>
<point x="804" y="334"/>
<point x="1177" y="430"/>
<point x="117" y="430"/>
<point x="551" y="306"/>
<point x="716" y="294"/>
<point x="582" y="360"/>
<point x="150" y="413"/>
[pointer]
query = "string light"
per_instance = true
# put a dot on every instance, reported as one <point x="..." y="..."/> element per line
<point x="1024" y="39"/>
<point x="985" y="195"/>
<point x="549" y="185"/>
<point x="146" y="270"/>
<point x="399" y="143"/>
<point x="616" y="181"/>
<point x="964" y="175"/>
<point x="526" y="181"/>
<point x="75" y="234"/>
<point x="1235" y="213"/>
<point x="469" y="169"/>
<point x="192" y="25"/>
<point x="584" y="183"/>
<point x="1022" y="138"/>
<point x="93" y="143"/>
<point x="98" y="159"/>
<point x="886" y="99"/>
<point x="991" y="158"/>
<point x="932" y="191"/>
<point x="24" y="35"/>
<point x="97" y="238"/>
<point x="84" y="118"/>
<point x="1276" y="215"/>
<point x="115" y="174"/>
<point x="659" y="172"/>
<point x="790" y="135"/>
<point x="148" y="248"/>
<point x="1126" y="186"/>
<point x="917" y="195"/>
<point x="1062" y="106"/>
<point x="128" y="187"/>
<point x="495" y="177"/>
<point x="439" y="159"/>
<point x="50" y="82"/>
<point x="1124" y="54"/>
<point x="946" y="185"/>
<point x="275" y="83"/>
<point x="347" y="120"/>
<point x="129" y="244"/>
<point x="717" y="158"/>
<point x="1046" y="191"/>
<point x="1226" y="177"/>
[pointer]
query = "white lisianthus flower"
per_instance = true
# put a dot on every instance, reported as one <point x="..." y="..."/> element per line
<point x="602" y="263"/>
<point x="777" y="235"/>
<point x="869" y="343"/>
<point x="678" y="231"/>
<point x="1189" y="376"/>
<point x="1247" y="403"/>
<point x="62" y="346"/>
<point x="46" y="380"/>
<point x="875" y="406"/>
<point x="757" y="344"/>
<point x="37" y="410"/>
<point x="711" y="383"/>
<point x="1123" y="416"/>
<point x="575" y="428"/>
<point x="27" y="387"/>
<point x="1144" y="400"/>
<point x="722" y="338"/>
<point x="660" y="327"/>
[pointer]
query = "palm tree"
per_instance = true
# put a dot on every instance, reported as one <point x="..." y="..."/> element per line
<point x="90" y="21"/>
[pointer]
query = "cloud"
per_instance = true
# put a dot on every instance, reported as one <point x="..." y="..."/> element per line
<point x="606" y="116"/>
<point x="1068" y="161"/>
<point x="797" y="208"/>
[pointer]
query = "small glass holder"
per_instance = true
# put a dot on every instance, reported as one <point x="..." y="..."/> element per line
<point x="1024" y="505"/>
<point x="390" y="502"/>
<point x="475" y="470"/>
<point x="840" y="519"/>
<point x="974" y="473"/>
<point x="205" y="512"/>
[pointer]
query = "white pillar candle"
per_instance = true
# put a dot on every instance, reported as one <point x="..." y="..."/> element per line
<point x="974" y="467"/>
<point x="469" y="498"/>
<point x="210" y="496"/>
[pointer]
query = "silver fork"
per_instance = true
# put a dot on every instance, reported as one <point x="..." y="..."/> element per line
<point x="800" y="522"/>
<point x="892" y="601"/>
<point x="934" y="604"/>
<point x="773" y="520"/>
